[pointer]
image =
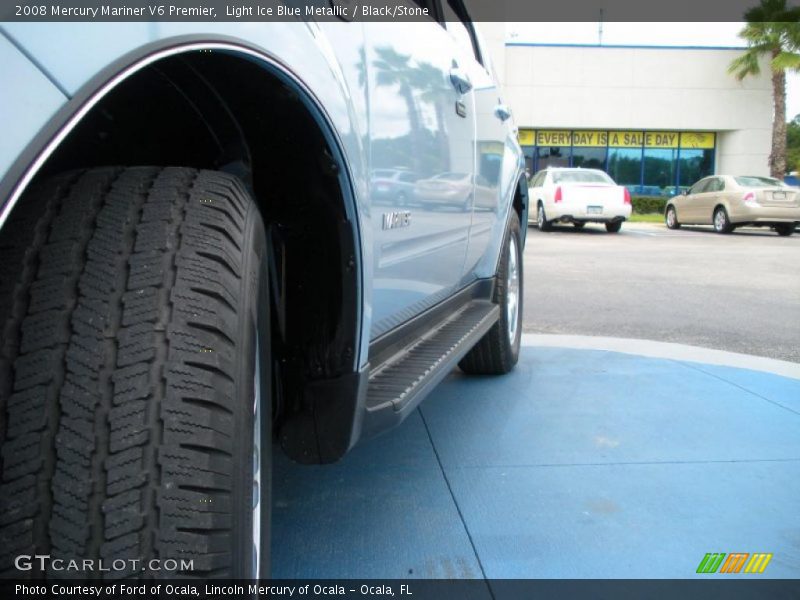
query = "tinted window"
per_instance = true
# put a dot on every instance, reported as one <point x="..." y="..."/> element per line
<point x="589" y="158"/>
<point x="580" y="177"/>
<point x="659" y="169"/>
<point x="694" y="165"/>
<point x="552" y="156"/>
<point x="625" y="165"/>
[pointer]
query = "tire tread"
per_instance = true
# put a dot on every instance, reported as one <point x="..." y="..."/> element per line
<point x="118" y="365"/>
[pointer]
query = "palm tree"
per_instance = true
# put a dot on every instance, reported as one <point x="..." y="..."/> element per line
<point x="772" y="30"/>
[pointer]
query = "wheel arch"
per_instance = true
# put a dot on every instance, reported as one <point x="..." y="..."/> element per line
<point x="322" y="353"/>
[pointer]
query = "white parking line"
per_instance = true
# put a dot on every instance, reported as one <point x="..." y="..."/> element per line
<point x="641" y="232"/>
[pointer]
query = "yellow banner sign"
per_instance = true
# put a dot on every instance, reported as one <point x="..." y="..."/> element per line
<point x="617" y="139"/>
<point x="589" y="138"/>
<point x="553" y="138"/>
<point x="625" y="139"/>
<point x="661" y="139"/>
<point x="527" y="137"/>
<point x="697" y="139"/>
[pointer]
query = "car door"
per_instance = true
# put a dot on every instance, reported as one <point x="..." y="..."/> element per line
<point x="422" y="124"/>
<point x="491" y="119"/>
<point x="536" y="192"/>
<point x="708" y="200"/>
<point x="689" y="205"/>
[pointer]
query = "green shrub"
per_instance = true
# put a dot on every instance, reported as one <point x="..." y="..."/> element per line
<point x="643" y="205"/>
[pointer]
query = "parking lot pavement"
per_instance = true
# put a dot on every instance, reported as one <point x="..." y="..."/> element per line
<point x="738" y="292"/>
<point x="582" y="463"/>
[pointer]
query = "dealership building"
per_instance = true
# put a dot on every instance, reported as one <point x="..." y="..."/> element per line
<point x="654" y="118"/>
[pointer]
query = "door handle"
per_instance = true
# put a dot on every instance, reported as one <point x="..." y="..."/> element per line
<point x="460" y="80"/>
<point x="502" y="112"/>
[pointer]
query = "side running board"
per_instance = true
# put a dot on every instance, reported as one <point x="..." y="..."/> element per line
<point x="397" y="385"/>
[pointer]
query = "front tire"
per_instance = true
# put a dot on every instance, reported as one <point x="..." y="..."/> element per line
<point x="131" y="421"/>
<point x="784" y="229"/>
<point x="671" y="218"/>
<point x="498" y="350"/>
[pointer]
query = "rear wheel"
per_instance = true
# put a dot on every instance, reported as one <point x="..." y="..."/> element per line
<point x="140" y="322"/>
<point x="722" y="224"/>
<point x="579" y="225"/>
<point x="614" y="227"/>
<point x="671" y="218"/>
<point x="784" y="229"/>
<point x="541" y="219"/>
<point x="498" y="350"/>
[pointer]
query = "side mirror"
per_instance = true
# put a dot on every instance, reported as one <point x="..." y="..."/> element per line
<point x="685" y="192"/>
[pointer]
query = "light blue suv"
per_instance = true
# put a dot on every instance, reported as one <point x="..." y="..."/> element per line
<point x="197" y="262"/>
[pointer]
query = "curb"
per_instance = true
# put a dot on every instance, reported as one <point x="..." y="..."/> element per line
<point x="667" y="350"/>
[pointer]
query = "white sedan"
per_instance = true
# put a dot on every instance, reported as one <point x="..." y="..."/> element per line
<point x="578" y="196"/>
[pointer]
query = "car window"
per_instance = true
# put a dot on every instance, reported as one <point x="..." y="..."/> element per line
<point x="460" y="28"/>
<point x="714" y="185"/>
<point x="759" y="182"/>
<point x="699" y="187"/>
<point x="538" y="179"/>
<point x="581" y="177"/>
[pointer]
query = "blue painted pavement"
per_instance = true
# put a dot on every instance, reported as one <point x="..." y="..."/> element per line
<point x="579" y="464"/>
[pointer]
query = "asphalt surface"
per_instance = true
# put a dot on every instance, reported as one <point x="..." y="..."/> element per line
<point x="737" y="292"/>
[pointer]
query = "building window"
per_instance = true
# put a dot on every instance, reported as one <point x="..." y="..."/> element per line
<point x="646" y="162"/>
<point x="625" y="166"/>
<point x="552" y="156"/>
<point x="694" y="165"/>
<point x="659" y="172"/>
<point x="589" y="158"/>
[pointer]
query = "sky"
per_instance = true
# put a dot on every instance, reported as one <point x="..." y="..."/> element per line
<point x="646" y="34"/>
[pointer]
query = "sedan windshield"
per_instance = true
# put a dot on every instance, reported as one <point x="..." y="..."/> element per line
<point x="759" y="182"/>
<point x="581" y="177"/>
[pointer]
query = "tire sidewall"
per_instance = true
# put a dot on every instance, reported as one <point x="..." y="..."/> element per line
<point x="725" y="228"/>
<point x="254" y="308"/>
<point x="673" y="222"/>
<point x="510" y="348"/>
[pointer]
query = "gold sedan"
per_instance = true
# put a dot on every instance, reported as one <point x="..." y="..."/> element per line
<point x="728" y="202"/>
